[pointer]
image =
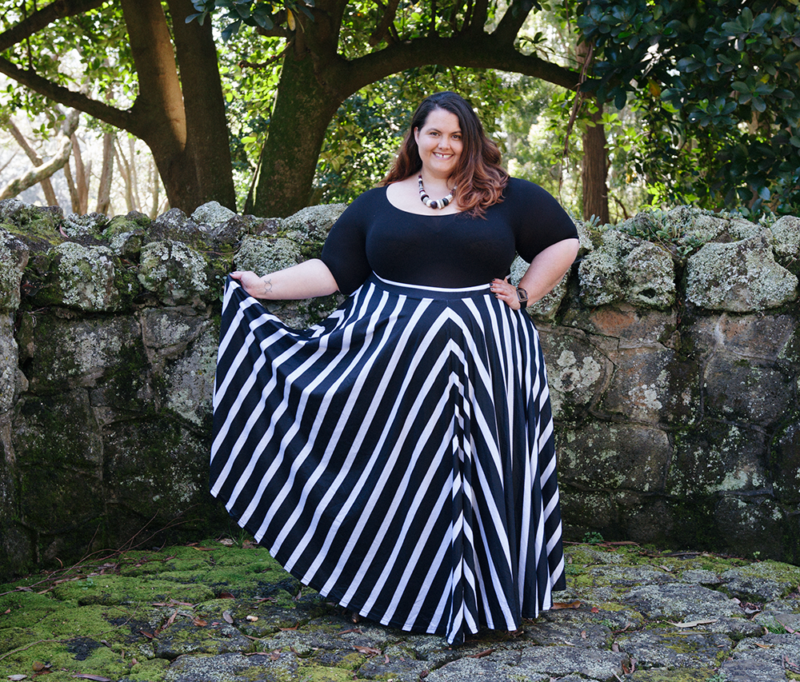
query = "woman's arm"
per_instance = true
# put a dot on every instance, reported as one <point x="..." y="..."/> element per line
<point x="304" y="280"/>
<point x="542" y="275"/>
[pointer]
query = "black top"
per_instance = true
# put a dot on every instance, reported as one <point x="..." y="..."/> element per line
<point x="449" y="251"/>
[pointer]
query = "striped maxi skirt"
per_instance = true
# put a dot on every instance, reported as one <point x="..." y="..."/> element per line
<point x="397" y="458"/>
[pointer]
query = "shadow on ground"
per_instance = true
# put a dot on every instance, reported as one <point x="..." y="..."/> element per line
<point x="220" y="611"/>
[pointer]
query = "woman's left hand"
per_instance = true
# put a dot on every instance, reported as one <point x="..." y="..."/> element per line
<point x="506" y="293"/>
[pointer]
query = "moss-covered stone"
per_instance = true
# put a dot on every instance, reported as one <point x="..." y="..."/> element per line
<point x="174" y="272"/>
<point x="740" y="277"/>
<point x="263" y="255"/>
<point x="13" y="259"/>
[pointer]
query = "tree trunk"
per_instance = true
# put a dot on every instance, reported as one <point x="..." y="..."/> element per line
<point x="136" y="199"/>
<point x="593" y="170"/>
<point x="125" y="174"/>
<point x="73" y="190"/>
<point x="303" y="110"/>
<point x="104" y="189"/>
<point x="594" y="166"/>
<point x="81" y="178"/>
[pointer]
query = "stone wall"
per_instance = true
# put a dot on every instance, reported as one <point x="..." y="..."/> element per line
<point x="674" y="367"/>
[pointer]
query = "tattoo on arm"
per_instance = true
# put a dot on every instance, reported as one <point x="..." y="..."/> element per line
<point x="267" y="285"/>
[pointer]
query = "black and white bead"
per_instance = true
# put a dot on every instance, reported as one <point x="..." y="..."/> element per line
<point x="434" y="203"/>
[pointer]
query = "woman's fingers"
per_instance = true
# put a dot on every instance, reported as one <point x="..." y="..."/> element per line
<point x="506" y="293"/>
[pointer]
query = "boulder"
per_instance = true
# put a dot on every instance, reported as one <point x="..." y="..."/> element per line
<point x="740" y="277"/>
<point x="629" y="269"/>
<point x="786" y="239"/>
<point x="263" y="255"/>
<point x="313" y="222"/>
<point x="174" y="272"/>
<point x="212" y="214"/>
<point x="87" y="278"/>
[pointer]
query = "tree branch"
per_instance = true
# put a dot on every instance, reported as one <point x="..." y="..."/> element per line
<point x="44" y="17"/>
<point x="36" y="175"/>
<point x="512" y="21"/>
<point x="477" y="17"/>
<point x="35" y="159"/>
<point x="76" y="100"/>
<point x="387" y="18"/>
<point x="464" y="50"/>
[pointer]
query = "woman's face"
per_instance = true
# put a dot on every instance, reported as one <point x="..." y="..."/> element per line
<point x="439" y="142"/>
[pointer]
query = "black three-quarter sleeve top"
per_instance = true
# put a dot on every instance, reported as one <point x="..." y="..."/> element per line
<point x="451" y="251"/>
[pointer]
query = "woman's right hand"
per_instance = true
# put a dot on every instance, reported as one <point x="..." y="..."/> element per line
<point x="255" y="286"/>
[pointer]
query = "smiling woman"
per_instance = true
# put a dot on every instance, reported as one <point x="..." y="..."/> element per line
<point x="399" y="457"/>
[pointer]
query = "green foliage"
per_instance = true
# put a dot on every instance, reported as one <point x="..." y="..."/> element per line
<point x="717" y="85"/>
<point x="593" y="538"/>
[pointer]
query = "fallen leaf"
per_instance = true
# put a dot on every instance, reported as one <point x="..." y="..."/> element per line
<point x="595" y="609"/>
<point x="180" y="603"/>
<point x="262" y="599"/>
<point x="298" y="595"/>
<point x="763" y="646"/>
<point x="149" y="635"/>
<point x="481" y="654"/>
<point x="565" y="605"/>
<point x="17" y="678"/>
<point x="24" y="589"/>
<point x="583" y="634"/>
<point x="367" y="650"/>
<point x="227" y="617"/>
<point x="275" y="655"/>
<point x="134" y="662"/>
<point x="225" y="595"/>
<point x="226" y="541"/>
<point x="252" y="619"/>
<point x="386" y="659"/>
<point x="625" y="669"/>
<point x="38" y="665"/>
<point x="344" y="632"/>
<point x="159" y="603"/>
<point x="291" y="628"/>
<point x="205" y="549"/>
<point x="96" y="678"/>
<point x="199" y="622"/>
<point x="693" y="623"/>
<point x="7" y="611"/>
<point x="424" y="674"/>
<point x="615" y="648"/>
<point x="170" y="620"/>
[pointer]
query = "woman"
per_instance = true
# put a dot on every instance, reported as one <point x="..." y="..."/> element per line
<point x="399" y="457"/>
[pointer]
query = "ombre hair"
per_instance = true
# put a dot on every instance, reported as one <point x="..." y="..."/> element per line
<point x="479" y="178"/>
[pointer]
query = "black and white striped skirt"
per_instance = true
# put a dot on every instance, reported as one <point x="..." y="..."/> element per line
<point x="398" y="457"/>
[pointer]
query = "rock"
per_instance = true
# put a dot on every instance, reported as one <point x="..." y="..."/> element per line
<point x="651" y="385"/>
<point x="263" y="255"/>
<point x="81" y="226"/>
<point x="576" y="370"/>
<point x="786" y="461"/>
<point x="189" y="381"/>
<point x="748" y="336"/>
<point x="748" y="390"/>
<point x="233" y="667"/>
<point x="765" y="663"/>
<point x="127" y="244"/>
<point x="633" y="327"/>
<point x="585" y="234"/>
<point x="694" y="226"/>
<point x="171" y="329"/>
<point x="37" y="227"/>
<point x="762" y="581"/>
<point x="13" y="259"/>
<point x="739" y="277"/>
<point x="212" y="214"/>
<point x="786" y="239"/>
<point x="152" y="467"/>
<point x="649" y="277"/>
<point x="133" y="221"/>
<point x="546" y="308"/>
<point x="721" y="458"/>
<point x="739" y="229"/>
<point x="313" y="222"/>
<point x="88" y="278"/>
<point x="674" y="649"/>
<point x="174" y="272"/>
<point x="175" y="226"/>
<point x="11" y="378"/>
<point x="680" y="602"/>
<point x="750" y="524"/>
<point x="627" y="268"/>
<point x="614" y="456"/>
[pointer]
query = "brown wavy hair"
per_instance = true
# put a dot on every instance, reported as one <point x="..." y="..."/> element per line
<point x="479" y="178"/>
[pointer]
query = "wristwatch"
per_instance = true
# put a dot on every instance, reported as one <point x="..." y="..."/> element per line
<point x="522" y="296"/>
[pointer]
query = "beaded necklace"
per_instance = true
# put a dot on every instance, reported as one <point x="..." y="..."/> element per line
<point x="434" y="203"/>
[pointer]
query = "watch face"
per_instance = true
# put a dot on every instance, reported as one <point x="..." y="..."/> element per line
<point x="522" y="295"/>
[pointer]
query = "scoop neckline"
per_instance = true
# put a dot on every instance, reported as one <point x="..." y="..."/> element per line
<point x="420" y="215"/>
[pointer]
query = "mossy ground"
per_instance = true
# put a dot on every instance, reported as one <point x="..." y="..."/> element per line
<point x="154" y="614"/>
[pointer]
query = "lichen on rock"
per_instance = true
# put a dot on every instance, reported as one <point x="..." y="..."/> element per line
<point x="786" y="239"/>
<point x="740" y="276"/>
<point x="213" y="214"/>
<point x="173" y="271"/>
<point x="13" y="259"/>
<point x="86" y="277"/>
<point x="627" y="268"/>
<point x="263" y="255"/>
<point x="312" y="222"/>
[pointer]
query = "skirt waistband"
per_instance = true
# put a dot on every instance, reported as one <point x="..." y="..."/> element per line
<point x="420" y="291"/>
